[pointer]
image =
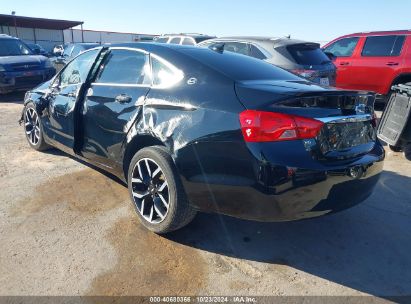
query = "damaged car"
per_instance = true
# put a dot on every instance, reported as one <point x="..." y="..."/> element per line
<point x="192" y="129"/>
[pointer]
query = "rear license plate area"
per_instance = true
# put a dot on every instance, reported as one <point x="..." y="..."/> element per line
<point x="341" y="140"/>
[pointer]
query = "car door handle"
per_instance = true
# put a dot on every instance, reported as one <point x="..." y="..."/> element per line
<point x="392" y="63"/>
<point x="123" y="98"/>
<point x="344" y="63"/>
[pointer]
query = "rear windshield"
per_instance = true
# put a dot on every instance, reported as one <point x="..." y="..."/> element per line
<point x="11" y="47"/>
<point x="239" y="67"/>
<point x="308" y="54"/>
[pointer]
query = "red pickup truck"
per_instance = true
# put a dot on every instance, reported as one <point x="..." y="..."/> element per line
<point x="373" y="61"/>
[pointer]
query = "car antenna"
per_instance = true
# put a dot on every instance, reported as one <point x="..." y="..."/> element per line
<point x="218" y="47"/>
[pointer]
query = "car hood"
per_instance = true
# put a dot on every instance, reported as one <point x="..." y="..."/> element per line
<point x="23" y="59"/>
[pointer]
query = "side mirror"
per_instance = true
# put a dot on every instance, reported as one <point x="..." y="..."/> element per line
<point x="36" y="51"/>
<point x="330" y="55"/>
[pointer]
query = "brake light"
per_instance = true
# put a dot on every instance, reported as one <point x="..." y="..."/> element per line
<point x="259" y="126"/>
<point x="305" y="73"/>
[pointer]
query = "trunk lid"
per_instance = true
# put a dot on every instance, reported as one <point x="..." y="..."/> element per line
<point x="348" y="116"/>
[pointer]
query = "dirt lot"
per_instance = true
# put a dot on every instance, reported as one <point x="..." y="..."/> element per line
<point x="66" y="229"/>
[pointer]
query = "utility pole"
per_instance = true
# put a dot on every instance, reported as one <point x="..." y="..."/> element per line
<point x="15" y="22"/>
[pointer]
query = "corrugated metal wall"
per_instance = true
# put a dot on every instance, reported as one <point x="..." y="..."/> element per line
<point x="75" y="35"/>
<point x="46" y="38"/>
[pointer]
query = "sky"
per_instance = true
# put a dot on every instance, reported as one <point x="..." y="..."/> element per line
<point x="315" y="20"/>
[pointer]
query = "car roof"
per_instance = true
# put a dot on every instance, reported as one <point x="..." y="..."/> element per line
<point x="4" y="36"/>
<point x="378" y="33"/>
<point x="274" y="41"/>
<point x="192" y="35"/>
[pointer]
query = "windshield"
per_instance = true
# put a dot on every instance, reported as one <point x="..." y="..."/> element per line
<point x="11" y="47"/>
<point x="308" y="54"/>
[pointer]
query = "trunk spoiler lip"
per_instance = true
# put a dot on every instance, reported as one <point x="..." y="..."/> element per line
<point x="345" y="119"/>
<point x="311" y="89"/>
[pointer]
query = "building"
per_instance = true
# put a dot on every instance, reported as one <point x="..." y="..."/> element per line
<point x="51" y="32"/>
<point x="46" y="32"/>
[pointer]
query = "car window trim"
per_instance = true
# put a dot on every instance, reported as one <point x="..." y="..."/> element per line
<point x="376" y="56"/>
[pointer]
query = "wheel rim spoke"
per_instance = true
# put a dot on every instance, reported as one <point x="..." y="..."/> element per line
<point x="32" y="126"/>
<point x="150" y="191"/>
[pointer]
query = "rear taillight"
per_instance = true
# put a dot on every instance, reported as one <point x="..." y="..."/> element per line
<point x="306" y="73"/>
<point x="258" y="126"/>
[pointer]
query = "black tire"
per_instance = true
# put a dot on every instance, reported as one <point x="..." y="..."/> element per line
<point x="395" y="148"/>
<point x="179" y="211"/>
<point x="407" y="151"/>
<point x="37" y="142"/>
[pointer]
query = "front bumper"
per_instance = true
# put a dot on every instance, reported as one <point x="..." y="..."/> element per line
<point x="20" y="81"/>
<point x="263" y="188"/>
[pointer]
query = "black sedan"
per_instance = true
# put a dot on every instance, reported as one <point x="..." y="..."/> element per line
<point x="191" y="129"/>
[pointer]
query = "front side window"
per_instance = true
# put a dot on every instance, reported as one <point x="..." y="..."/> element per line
<point x="125" y="67"/>
<point x="164" y="74"/>
<point x="236" y="47"/>
<point x="161" y="40"/>
<point x="383" y="46"/>
<point x="343" y="48"/>
<point x="77" y="70"/>
<point x="13" y="47"/>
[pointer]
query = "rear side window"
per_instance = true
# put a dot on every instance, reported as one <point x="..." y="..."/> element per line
<point x="256" y="53"/>
<point x="383" y="46"/>
<point x="125" y="67"/>
<point x="308" y="54"/>
<point x="237" y="47"/>
<point x="344" y="47"/>
<point x="164" y="74"/>
<point x="175" y="40"/>
<point x="188" y="41"/>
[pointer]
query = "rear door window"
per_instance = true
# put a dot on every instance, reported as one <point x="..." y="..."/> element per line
<point x="175" y="40"/>
<point x="344" y="47"/>
<point x="125" y="67"/>
<point x="308" y="54"/>
<point x="237" y="47"/>
<point x="376" y="46"/>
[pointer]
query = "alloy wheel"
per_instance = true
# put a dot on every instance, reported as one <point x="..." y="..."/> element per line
<point x="150" y="191"/>
<point x="32" y="126"/>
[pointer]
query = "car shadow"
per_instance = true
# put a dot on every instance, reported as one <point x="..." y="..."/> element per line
<point x="16" y="97"/>
<point x="366" y="248"/>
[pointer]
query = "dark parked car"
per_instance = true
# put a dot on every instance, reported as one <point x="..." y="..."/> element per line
<point x="20" y="68"/>
<point x="183" y="39"/>
<point x="71" y="50"/>
<point x="193" y="129"/>
<point x="38" y="49"/>
<point x="303" y="58"/>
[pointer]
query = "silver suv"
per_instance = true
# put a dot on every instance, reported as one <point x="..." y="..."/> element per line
<point x="183" y="39"/>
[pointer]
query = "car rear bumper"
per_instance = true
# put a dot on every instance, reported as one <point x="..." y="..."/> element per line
<point x="266" y="189"/>
<point x="18" y="81"/>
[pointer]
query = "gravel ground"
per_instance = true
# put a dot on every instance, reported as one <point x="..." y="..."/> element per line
<point x="66" y="229"/>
